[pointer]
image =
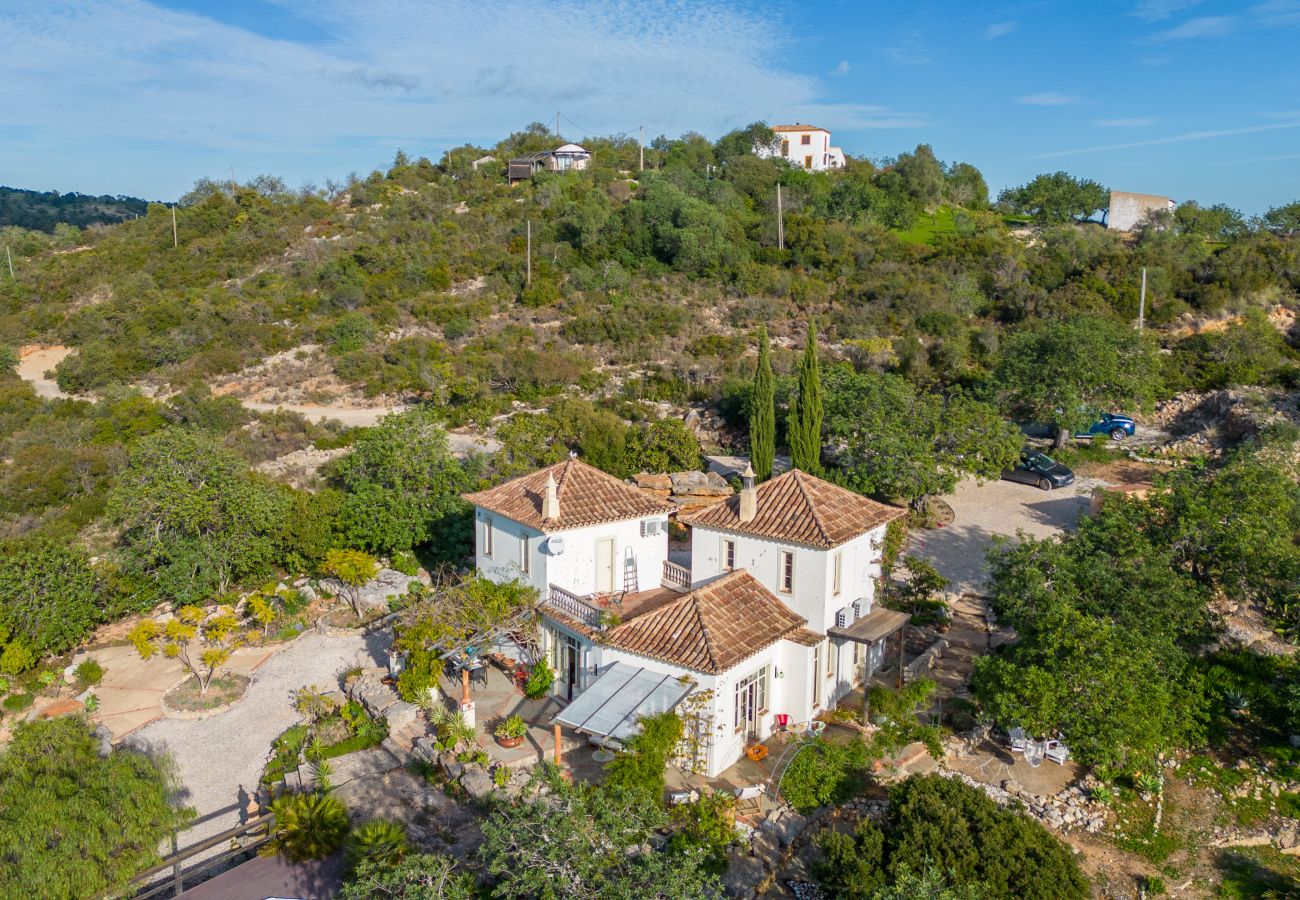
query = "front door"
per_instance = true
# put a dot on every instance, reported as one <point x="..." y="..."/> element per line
<point x="605" y="565"/>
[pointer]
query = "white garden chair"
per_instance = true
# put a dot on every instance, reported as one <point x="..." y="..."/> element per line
<point x="1056" y="752"/>
<point x="1018" y="740"/>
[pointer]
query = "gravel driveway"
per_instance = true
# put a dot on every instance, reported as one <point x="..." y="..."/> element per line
<point x="215" y="756"/>
<point x="997" y="508"/>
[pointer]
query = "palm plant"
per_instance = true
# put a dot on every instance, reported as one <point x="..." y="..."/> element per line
<point x="380" y="841"/>
<point x="306" y="826"/>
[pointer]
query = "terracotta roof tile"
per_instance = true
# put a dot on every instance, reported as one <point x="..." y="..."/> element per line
<point x="785" y="128"/>
<point x="587" y="496"/>
<point x="709" y="629"/>
<point x="801" y="509"/>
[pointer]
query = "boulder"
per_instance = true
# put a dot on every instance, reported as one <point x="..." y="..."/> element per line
<point x="477" y="783"/>
<point x="742" y="876"/>
<point x="1012" y="787"/>
<point x="653" y="481"/>
<point x="401" y="714"/>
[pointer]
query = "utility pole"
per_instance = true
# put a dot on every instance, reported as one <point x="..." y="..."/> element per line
<point x="1142" y="300"/>
<point x="557" y="124"/>
<point x="780" y="220"/>
<point x="641" y="149"/>
<point x="528" y="224"/>
<point x="11" y="261"/>
<point x="175" y="241"/>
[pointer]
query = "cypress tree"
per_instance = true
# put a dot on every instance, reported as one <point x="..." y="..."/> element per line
<point x="762" y="413"/>
<point x="805" y="423"/>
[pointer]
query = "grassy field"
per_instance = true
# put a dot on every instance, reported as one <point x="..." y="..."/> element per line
<point x="927" y="227"/>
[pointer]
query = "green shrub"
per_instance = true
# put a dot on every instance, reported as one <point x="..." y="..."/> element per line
<point x="823" y="773"/>
<point x="17" y="657"/>
<point x="640" y="769"/>
<point x="379" y="841"/>
<point x="89" y="672"/>
<point x="18" y="702"/>
<point x="405" y="562"/>
<point x="707" y="825"/>
<point x="539" y="681"/>
<point x="306" y="826"/>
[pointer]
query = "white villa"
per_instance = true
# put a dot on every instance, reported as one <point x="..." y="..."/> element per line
<point x="806" y="146"/>
<point x="772" y="622"/>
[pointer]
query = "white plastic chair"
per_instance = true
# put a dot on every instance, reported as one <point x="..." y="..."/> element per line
<point x="1057" y="752"/>
<point x="1019" y="741"/>
<point x="750" y="798"/>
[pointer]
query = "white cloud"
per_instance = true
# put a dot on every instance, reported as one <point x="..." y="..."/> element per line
<point x="842" y="68"/>
<point x="1172" y="139"/>
<point x="1123" y="123"/>
<point x="1047" y="98"/>
<point x="79" y="83"/>
<point x="998" y="29"/>
<point x="1159" y="10"/>
<point x="1277" y="12"/>
<point x="1204" y="26"/>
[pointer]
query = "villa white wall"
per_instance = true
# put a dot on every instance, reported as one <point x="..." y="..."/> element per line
<point x="812" y="596"/>
<point x="575" y="569"/>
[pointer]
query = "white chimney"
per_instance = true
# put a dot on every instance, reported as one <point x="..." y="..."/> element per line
<point x="748" y="496"/>
<point x="551" y="499"/>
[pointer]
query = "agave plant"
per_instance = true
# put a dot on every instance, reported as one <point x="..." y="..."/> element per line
<point x="1147" y="783"/>
<point x="380" y="841"/>
<point x="306" y="826"/>
<point x="1103" y="794"/>
<point x="457" y="730"/>
<point x="1237" y="701"/>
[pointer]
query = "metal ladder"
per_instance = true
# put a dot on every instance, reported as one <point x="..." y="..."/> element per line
<point x="630" y="584"/>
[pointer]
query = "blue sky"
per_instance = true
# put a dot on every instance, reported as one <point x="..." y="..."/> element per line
<point x="1197" y="99"/>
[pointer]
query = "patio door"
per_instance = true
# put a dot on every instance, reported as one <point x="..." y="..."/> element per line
<point x="568" y="666"/>
<point x="751" y="704"/>
<point x="605" y="565"/>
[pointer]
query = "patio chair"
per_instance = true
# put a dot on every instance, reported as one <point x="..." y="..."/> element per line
<point x="479" y="676"/>
<point x="1057" y="752"/>
<point x="1017" y="740"/>
<point x="749" y="800"/>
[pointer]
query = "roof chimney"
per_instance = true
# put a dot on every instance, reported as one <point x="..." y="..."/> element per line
<point x="748" y="496"/>
<point x="551" y="499"/>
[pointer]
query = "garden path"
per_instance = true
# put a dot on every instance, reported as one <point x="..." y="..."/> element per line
<point x="217" y="756"/>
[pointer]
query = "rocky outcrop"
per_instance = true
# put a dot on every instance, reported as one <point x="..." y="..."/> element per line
<point x="1070" y="809"/>
<point x="388" y="584"/>
<point x="685" y="490"/>
<point x="380" y="700"/>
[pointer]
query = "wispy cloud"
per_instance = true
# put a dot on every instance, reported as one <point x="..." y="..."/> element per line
<point x="1277" y="12"/>
<point x="999" y="29"/>
<point x="842" y="68"/>
<point x="1137" y="122"/>
<point x="909" y="50"/>
<point x="1047" y="98"/>
<point x="1202" y="27"/>
<point x="197" y="93"/>
<point x="1171" y="139"/>
<point x="1159" y="10"/>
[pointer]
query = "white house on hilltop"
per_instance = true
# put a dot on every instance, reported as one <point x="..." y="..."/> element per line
<point x="806" y="146"/>
<point x="774" y="617"/>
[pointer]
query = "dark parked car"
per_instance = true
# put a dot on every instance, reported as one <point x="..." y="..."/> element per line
<point x="1039" y="469"/>
<point x="1115" y="426"/>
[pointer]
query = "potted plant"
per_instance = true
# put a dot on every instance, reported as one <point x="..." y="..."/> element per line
<point x="510" y="732"/>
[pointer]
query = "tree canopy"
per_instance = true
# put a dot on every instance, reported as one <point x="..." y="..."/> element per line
<point x="74" y="823"/>
<point x="1056" y="198"/>
<point x="894" y="440"/>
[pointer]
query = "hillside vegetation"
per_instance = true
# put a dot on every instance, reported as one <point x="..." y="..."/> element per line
<point x="46" y="210"/>
<point x="937" y="322"/>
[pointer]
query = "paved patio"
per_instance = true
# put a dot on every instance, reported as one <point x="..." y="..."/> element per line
<point x="131" y="693"/>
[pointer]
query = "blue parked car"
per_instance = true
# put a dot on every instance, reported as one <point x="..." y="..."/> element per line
<point x="1116" y="427"/>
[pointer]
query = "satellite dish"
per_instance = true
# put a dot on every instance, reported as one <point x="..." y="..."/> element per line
<point x="555" y="545"/>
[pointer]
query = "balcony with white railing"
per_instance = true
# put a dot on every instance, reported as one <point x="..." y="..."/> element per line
<point x="676" y="576"/>
<point x="580" y="609"/>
